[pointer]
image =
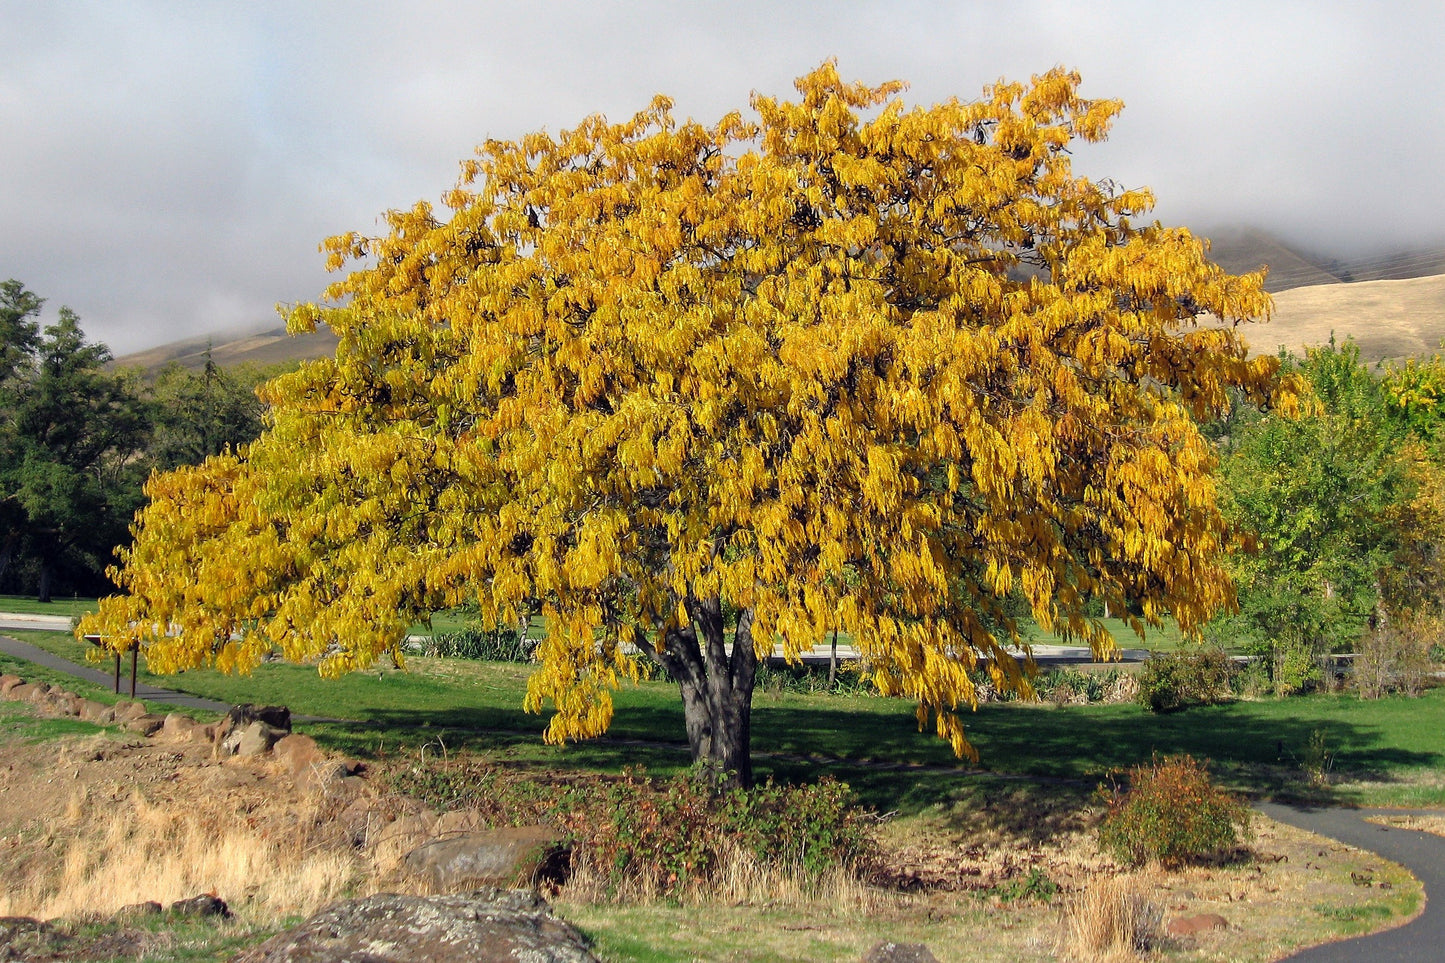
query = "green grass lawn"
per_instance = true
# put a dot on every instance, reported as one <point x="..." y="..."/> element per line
<point x="1395" y="745"/>
<point x="26" y="605"/>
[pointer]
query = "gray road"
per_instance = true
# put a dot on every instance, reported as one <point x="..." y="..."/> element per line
<point x="1422" y="853"/>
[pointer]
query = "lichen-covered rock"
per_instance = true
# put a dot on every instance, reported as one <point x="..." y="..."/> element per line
<point x="490" y="926"/>
<point x="890" y="952"/>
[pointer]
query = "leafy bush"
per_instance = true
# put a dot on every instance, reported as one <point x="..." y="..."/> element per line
<point x="499" y="645"/>
<point x="1173" y="813"/>
<point x="1182" y="679"/>
<point x="662" y="835"/>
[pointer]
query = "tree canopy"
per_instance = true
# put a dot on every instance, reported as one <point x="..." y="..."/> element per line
<point x="70" y="433"/>
<point x="843" y="364"/>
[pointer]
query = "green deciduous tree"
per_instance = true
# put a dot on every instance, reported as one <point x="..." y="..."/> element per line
<point x="847" y="364"/>
<point x="1344" y="502"/>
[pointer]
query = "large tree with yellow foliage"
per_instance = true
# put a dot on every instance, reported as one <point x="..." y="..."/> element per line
<point x="843" y="363"/>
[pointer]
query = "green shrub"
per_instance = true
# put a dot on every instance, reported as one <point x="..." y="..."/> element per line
<point x="498" y="645"/>
<point x="1182" y="679"/>
<point x="662" y="835"/>
<point x="1173" y="813"/>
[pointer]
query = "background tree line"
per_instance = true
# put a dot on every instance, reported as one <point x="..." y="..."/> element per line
<point x="78" y="440"/>
<point x="1342" y="518"/>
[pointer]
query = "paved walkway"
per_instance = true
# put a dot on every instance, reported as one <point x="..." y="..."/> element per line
<point x="31" y="653"/>
<point x="1423" y="854"/>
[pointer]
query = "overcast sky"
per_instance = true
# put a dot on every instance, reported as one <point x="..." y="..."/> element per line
<point x="168" y="169"/>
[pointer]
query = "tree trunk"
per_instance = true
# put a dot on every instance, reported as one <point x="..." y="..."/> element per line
<point x="43" y="595"/>
<point x="7" y="553"/>
<point x="833" y="661"/>
<point x="717" y="689"/>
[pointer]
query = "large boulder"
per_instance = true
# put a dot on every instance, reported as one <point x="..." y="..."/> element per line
<point x="491" y="926"/>
<point x="252" y="739"/>
<point x="511" y="856"/>
<point x="8" y="682"/>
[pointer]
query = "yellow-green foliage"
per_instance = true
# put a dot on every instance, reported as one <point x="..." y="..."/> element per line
<point x="845" y="364"/>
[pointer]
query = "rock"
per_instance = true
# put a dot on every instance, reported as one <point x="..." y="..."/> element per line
<point x="456" y="822"/>
<point x="126" y="710"/>
<point x="308" y="765"/>
<point x="36" y="693"/>
<point x="23" y="938"/>
<point x="392" y="842"/>
<point x="147" y="725"/>
<point x="200" y="906"/>
<point x="297" y="753"/>
<point x="510" y="856"/>
<point x="277" y="717"/>
<point x="253" y="739"/>
<point x="178" y="727"/>
<point x="20" y="693"/>
<point x="64" y="703"/>
<point x="890" y="952"/>
<point x="491" y="926"/>
<point x="91" y="711"/>
<point x="8" y="682"/>
<point x="1190" y="925"/>
<point x="133" y="910"/>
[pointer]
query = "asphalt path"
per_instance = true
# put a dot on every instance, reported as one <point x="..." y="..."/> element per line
<point x="31" y="653"/>
<point x="1423" y="854"/>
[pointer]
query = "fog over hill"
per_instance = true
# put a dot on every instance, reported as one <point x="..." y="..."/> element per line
<point x="1393" y="304"/>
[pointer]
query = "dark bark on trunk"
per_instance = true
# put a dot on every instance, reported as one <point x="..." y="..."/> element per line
<point x="43" y="595"/>
<point x="717" y="689"/>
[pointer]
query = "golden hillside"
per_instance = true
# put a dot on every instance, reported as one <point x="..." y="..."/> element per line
<point x="1388" y="319"/>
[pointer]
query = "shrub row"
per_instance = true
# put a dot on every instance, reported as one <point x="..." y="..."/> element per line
<point x="664" y="835"/>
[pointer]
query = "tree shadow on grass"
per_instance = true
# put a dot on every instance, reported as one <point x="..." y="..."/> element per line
<point x="874" y="745"/>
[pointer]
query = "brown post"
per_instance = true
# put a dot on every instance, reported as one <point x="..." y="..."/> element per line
<point x="134" y="653"/>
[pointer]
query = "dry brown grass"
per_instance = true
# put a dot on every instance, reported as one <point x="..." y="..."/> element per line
<point x="1111" y="920"/>
<point x="1388" y="319"/>
<point x="1420" y="823"/>
<point x="740" y="880"/>
<point x="115" y="854"/>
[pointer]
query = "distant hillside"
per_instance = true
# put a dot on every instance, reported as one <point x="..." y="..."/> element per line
<point x="1388" y="319"/>
<point x="261" y="347"/>
<point x="1239" y="250"/>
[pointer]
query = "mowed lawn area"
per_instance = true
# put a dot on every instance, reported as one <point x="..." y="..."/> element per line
<point x="1387" y="751"/>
